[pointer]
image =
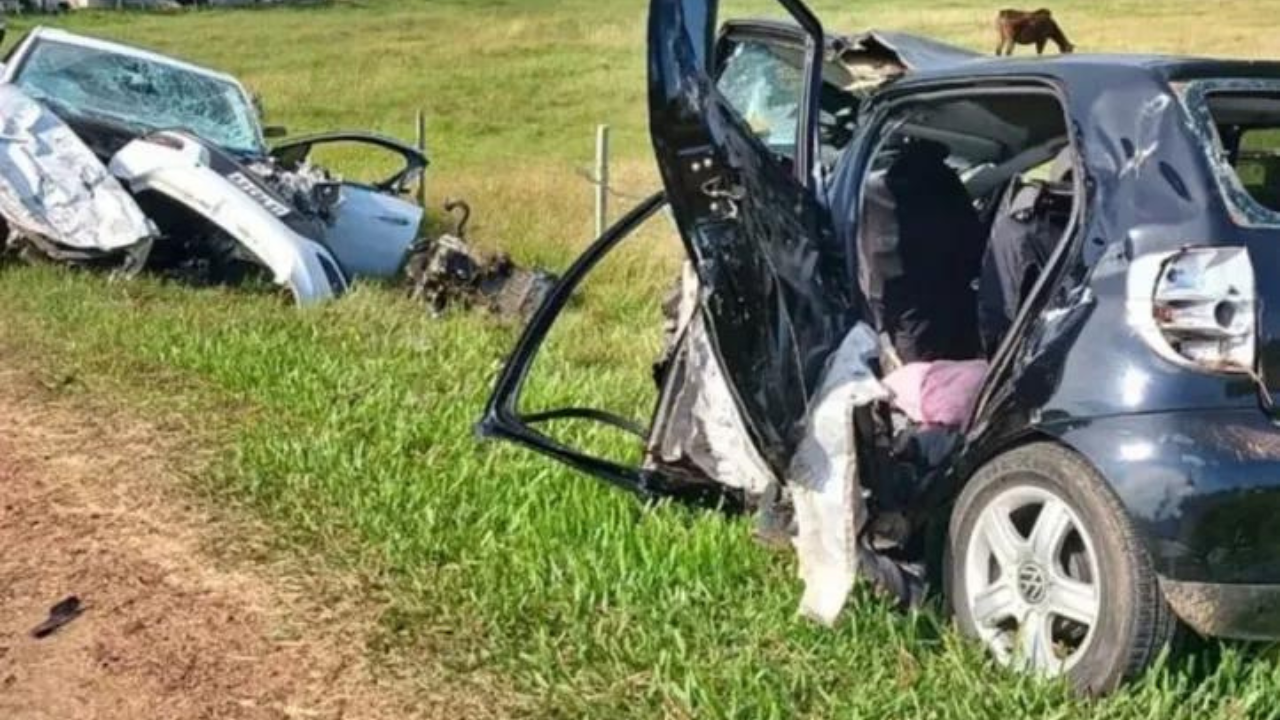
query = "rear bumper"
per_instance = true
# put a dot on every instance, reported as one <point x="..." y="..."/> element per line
<point x="1241" y="612"/>
<point x="1202" y="488"/>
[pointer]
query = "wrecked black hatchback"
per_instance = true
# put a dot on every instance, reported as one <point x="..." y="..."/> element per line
<point x="999" y="321"/>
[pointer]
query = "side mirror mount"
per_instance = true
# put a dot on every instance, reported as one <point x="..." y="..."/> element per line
<point x="274" y="131"/>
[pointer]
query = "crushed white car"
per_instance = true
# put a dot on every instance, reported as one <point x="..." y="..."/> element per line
<point x="117" y="156"/>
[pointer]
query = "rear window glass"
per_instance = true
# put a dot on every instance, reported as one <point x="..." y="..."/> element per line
<point x="1240" y="120"/>
<point x="1257" y="163"/>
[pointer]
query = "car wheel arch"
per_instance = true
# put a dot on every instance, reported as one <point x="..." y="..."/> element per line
<point x="938" y="512"/>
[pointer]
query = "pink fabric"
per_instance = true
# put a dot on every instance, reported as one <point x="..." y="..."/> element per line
<point x="937" y="393"/>
<point x="906" y="384"/>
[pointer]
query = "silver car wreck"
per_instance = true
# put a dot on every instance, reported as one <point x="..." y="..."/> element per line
<point x="119" y="157"/>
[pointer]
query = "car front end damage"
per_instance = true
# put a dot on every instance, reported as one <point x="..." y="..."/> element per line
<point x="56" y="198"/>
<point x="119" y="157"/>
<point x="265" y="227"/>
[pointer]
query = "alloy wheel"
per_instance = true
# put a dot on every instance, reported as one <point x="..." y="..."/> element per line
<point x="1032" y="583"/>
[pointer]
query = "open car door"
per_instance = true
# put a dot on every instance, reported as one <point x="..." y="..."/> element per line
<point x="375" y="224"/>
<point x="774" y="293"/>
<point x="768" y="280"/>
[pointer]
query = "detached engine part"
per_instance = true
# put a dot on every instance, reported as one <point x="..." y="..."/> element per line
<point x="446" y="271"/>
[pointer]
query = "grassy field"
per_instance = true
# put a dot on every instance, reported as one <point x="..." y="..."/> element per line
<point x="348" y="427"/>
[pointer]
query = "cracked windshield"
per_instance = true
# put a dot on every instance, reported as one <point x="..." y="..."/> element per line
<point x="136" y="91"/>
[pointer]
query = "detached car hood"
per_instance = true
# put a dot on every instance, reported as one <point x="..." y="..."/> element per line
<point x="54" y="191"/>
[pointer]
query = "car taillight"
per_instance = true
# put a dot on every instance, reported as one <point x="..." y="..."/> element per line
<point x="1202" y="307"/>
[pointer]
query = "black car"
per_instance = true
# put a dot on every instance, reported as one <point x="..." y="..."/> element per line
<point x="1095" y="228"/>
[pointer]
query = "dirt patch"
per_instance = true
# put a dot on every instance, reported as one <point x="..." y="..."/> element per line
<point x="169" y="629"/>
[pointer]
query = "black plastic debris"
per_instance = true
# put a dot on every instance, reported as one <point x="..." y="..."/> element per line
<point x="60" y="614"/>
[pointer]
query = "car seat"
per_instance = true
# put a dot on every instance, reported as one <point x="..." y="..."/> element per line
<point x="1031" y="219"/>
<point x="920" y="247"/>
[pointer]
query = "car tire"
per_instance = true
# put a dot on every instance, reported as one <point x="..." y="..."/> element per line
<point x="1072" y="590"/>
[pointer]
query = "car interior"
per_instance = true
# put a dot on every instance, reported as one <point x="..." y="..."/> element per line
<point x="964" y="200"/>
<point x="954" y="187"/>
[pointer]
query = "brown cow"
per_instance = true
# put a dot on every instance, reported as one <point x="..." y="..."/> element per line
<point x="1018" y="27"/>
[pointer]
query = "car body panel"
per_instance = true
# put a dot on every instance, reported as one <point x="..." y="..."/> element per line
<point x="1202" y="487"/>
<point x="371" y="232"/>
<point x="53" y="189"/>
<point x="228" y="197"/>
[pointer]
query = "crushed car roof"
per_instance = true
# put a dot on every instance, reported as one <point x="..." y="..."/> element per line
<point x="915" y="51"/>
<point x="930" y="59"/>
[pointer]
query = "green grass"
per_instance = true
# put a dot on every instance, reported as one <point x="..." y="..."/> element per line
<point x="349" y="426"/>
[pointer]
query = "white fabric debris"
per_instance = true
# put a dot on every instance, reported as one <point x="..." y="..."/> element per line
<point x="829" y="507"/>
<point x="52" y="185"/>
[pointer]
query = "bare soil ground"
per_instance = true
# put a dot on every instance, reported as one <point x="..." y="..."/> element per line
<point x="171" y="627"/>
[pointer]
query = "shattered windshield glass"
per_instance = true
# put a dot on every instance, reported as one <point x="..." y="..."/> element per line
<point x="765" y="89"/>
<point x="141" y="93"/>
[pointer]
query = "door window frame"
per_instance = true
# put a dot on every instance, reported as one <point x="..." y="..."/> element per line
<point x="502" y="415"/>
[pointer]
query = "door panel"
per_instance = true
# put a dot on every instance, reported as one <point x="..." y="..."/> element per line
<point x="775" y="296"/>
<point x="372" y="232"/>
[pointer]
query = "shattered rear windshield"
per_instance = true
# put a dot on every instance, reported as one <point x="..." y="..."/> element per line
<point x="1242" y="118"/>
<point x="140" y="93"/>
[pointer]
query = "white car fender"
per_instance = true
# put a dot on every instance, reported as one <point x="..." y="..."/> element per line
<point x="177" y="167"/>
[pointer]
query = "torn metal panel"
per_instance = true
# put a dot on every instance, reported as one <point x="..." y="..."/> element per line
<point x="54" y="191"/>
<point x="776" y="299"/>
<point x="823" y="477"/>
<point x="699" y="427"/>
<point x="914" y="52"/>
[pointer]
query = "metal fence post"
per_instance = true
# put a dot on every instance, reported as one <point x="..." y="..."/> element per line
<point x="602" y="178"/>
